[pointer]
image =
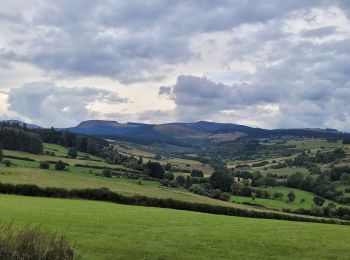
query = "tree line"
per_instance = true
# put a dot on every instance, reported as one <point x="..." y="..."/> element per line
<point x="104" y="194"/>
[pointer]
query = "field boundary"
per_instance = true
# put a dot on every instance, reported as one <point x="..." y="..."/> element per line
<point x="104" y="194"/>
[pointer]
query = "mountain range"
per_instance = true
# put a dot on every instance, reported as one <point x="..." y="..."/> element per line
<point x="192" y="134"/>
<point x="186" y="134"/>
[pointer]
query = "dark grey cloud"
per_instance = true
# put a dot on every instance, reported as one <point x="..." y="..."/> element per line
<point x="166" y="91"/>
<point x="321" y="105"/>
<point x="320" y="32"/>
<point x="45" y="103"/>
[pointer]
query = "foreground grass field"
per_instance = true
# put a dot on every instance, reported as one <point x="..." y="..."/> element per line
<point x="112" y="231"/>
<point x="79" y="180"/>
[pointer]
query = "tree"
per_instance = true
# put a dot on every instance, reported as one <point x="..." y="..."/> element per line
<point x="44" y="165"/>
<point x="224" y="196"/>
<point x="318" y="201"/>
<point x="167" y="167"/>
<point x="216" y="193"/>
<point x="60" y="166"/>
<point x="180" y="180"/>
<point x="291" y="196"/>
<point x="188" y="182"/>
<point x="236" y="187"/>
<point x="155" y="170"/>
<point x="107" y="173"/>
<point x="16" y="138"/>
<point x="221" y="180"/>
<point x="197" y="173"/>
<point x="278" y="195"/>
<point x="7" y="163"/>
<point x="1" y="154"/>
<point x="72" y="152"/>
<point x="169" y="175"/>
<point x="140" y="161"/>
<point x="295" y="180"/>
<point x="253" y="195"/>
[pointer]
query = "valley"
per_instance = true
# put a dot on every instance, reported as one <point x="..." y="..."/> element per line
<point x="294" y="178"/>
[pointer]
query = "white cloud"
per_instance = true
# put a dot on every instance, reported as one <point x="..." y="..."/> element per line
<point x="282" y="63"/>
<point x="45" y="103"/>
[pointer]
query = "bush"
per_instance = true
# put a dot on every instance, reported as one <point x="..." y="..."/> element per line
<point x="107" y="173"/>
<point x="103" y="194"/>
<point x="155" y="170"/>
<point x="221" y="180"/>
<point x="224" y="196"/>
<point x="60" y="166"/>
<point x="197" y="173"/>
<point x="7" y="163"/>
<point x="72" y="152"/>
<point x="169" y="176"/>
<point x="31" y="243"/>
<point x="180" y="180"/>
<point x="44" y="165"/>
<point x="318" y="201"/>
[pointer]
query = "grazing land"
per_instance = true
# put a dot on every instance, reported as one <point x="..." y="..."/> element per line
<point x="110" y="231"/>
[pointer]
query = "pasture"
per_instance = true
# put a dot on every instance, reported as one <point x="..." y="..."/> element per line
<point x="111" y="231"/>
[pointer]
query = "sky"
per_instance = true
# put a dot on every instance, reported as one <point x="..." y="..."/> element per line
<point x="268" y="63"/>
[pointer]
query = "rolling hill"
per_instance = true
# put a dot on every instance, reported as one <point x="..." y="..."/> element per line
<point x="192" y="134"/>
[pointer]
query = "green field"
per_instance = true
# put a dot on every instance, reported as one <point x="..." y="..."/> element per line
<point x="111" y="231"/>
<point x="281" y="204"/>
<point x="314" y="143"/>
<point x="285" y="171"/>
<point x="70" y="161"/>
<point x="63" y="151"/>
<point x="75" y="179"/>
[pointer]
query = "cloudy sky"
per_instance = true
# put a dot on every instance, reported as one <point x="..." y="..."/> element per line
<point x="262" y="63"/>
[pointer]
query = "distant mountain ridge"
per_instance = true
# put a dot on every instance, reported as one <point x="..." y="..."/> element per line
<point x="20" y="123"/>
<point x="191" y="134"/>
<point x="195" y="134"/>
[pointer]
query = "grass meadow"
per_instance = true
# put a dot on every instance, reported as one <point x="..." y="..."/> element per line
<point x="281" y="204"/>
<point x="111" y="231"/>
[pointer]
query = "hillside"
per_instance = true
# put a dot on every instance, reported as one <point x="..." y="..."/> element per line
<point x="192" y="134"/>
<point x="110" y="231"/>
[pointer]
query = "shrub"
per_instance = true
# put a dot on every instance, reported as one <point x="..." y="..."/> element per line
<point x="180" y="180"/>
<point x="103" y="194"/>
<point x="7" y="163"/>
<point x="173" y="184"/>
<point x="221" y="180"/>
<point x="155" y="170"/>
<point x="169" y="176"/>
<point x="197" y="173"/>
<point x="31" y="243"/>
<point x="291" y="196"/>
<point x="44" y="165"/>
<point x="164" y="182"/>
<point x="318" y="201"/>
<point x="278" y="195"/>
<point x="60" y="166"/>
<point x="107" y="173"/>
<point x="216" y="194"/>
<point x="72" y="152"/>
<point x="224" y="196"/>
